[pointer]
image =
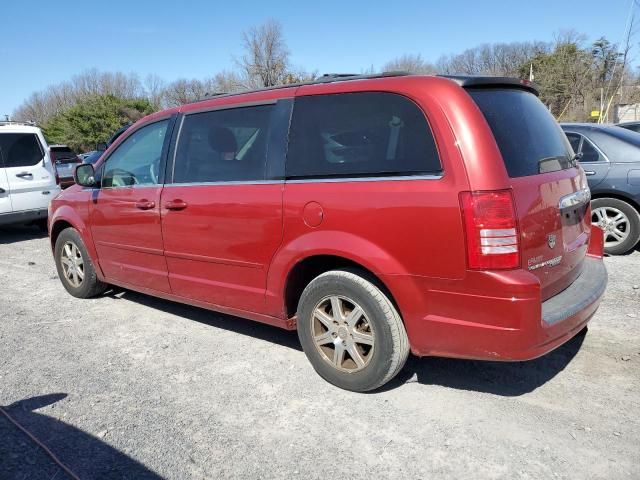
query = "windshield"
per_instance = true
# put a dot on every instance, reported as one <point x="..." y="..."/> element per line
<point x="529" y="138"/>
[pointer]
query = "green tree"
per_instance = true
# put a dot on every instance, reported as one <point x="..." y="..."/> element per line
<point x="94" y="119"/>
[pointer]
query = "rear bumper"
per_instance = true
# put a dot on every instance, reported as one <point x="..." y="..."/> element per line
<point x="498" y="315"/>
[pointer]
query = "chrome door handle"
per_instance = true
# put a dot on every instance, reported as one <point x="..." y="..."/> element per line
<point x="145" y="204"/>
<point x="24" y="174"/>
<point x="175" y="205"/>
<point x="589" y="172"/>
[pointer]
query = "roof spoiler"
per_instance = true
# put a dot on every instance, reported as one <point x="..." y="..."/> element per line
<point x="472" y="81"/>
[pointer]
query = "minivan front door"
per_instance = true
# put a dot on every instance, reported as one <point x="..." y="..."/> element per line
<point x="125" y="210"/>
<point x="221" y="216"/>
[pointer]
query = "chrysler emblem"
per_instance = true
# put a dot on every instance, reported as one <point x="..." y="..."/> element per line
<point x="551" y="240"/>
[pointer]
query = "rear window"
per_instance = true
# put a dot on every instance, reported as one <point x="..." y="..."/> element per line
<point x="20" y="149"/>
<point x="64" y="153"/>
<point x="359" y="134"/>
<point x="529" y="138"/>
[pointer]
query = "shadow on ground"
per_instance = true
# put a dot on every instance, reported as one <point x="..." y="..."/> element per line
<point x="85" y="455"/>
<point x="497" y="378"/>
<point x="509" y="379"/>
<point x="239" y="325"/>
<point x="20" y="233"/>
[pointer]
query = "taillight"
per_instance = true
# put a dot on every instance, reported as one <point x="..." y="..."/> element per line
<point x="491" y="230"/>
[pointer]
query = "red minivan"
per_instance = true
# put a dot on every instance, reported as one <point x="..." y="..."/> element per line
<point x="377" y="215"/>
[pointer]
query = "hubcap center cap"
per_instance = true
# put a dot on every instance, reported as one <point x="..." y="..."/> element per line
<point x="343" y="333"/>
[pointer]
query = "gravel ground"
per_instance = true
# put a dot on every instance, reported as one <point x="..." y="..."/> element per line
<point x="129" y="386"/>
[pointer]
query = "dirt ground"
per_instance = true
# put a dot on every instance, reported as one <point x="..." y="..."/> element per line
<point x="129" y="386"/>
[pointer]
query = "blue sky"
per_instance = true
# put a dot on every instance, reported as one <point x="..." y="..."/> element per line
<point x="47" y="41"/>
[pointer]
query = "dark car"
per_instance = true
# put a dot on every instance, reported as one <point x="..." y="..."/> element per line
<point x="633" y="126"/>
<point x="611" y="160"/>
<point x="65" y="160"/>
<point x="94" y="156"/>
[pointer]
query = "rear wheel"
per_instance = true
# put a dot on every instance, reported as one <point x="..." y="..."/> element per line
<point x="620" y="222"/>
<point x="351" y="332"/>
<point x="75" y="268"/>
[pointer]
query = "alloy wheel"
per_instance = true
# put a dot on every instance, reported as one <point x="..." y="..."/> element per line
<point x="614" y="223"/>
<point x="342" y="333"/>
<point x="72" y="264"/>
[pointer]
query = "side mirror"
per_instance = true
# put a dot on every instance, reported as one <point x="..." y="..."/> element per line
<point x="84" y="175"/>
<point x="101" y="147"/>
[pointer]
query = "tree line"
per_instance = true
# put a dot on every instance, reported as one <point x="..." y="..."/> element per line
<point x="575" y="77"/>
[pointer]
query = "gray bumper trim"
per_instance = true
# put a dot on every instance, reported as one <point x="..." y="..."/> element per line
<point x="584" y="291"/>
<point x="23" y="216"/>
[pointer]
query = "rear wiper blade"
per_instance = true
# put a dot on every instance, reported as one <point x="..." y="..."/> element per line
<point x="553" y="164"/>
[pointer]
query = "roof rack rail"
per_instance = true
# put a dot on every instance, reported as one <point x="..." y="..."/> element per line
<point x="28" y="123"/>
<point x="325" y="78"/>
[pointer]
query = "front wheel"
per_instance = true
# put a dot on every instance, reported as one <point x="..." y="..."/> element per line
<point x="620" y="222"/>
<point x="75" y="268"/>
<point x="351" y="332"/>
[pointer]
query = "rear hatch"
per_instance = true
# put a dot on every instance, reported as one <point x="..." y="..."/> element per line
<point x="65" y="160"/>
<point x="550" y="192"/>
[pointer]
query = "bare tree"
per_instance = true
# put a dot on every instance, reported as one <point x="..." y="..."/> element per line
<point x="411" y="64"/>
<point x="266" y="59"/>
<point x="154" y="90"/>
<point x="503" y="59"/>
<point x="43" y="105"/>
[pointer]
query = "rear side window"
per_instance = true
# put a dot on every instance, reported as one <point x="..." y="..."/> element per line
<point x="359" y="134"/>
<point x="223" y="146"/>
<point x="529" y="138"/>
<point x="589" y="152"/>
<point x="20" y="149"/>
<point x="574" y="140"/>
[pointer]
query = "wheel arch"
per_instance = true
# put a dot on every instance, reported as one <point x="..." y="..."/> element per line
<point x="316" y="252"/>
<point x="618" y="196"/>
<point x="310" y="267"/>
<point x="66" y="217"/>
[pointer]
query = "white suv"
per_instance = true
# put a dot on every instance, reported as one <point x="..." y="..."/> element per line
<point x="28" y="180"/>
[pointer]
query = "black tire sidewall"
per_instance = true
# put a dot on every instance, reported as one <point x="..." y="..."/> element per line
<point x="380" y="363"/>
<point x="88" y="286"/>
<point x="634" y="223"/>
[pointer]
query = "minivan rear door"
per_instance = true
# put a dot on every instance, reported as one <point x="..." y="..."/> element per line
<point x="29" y="180"/>
<point x="549" y="189"/>
<point x="593" y="161"/>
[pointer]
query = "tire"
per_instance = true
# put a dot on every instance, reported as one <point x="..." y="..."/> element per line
<point x="81" y="281"/>
<point x="367" y="331"/>
<point x="619" y="238"/>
